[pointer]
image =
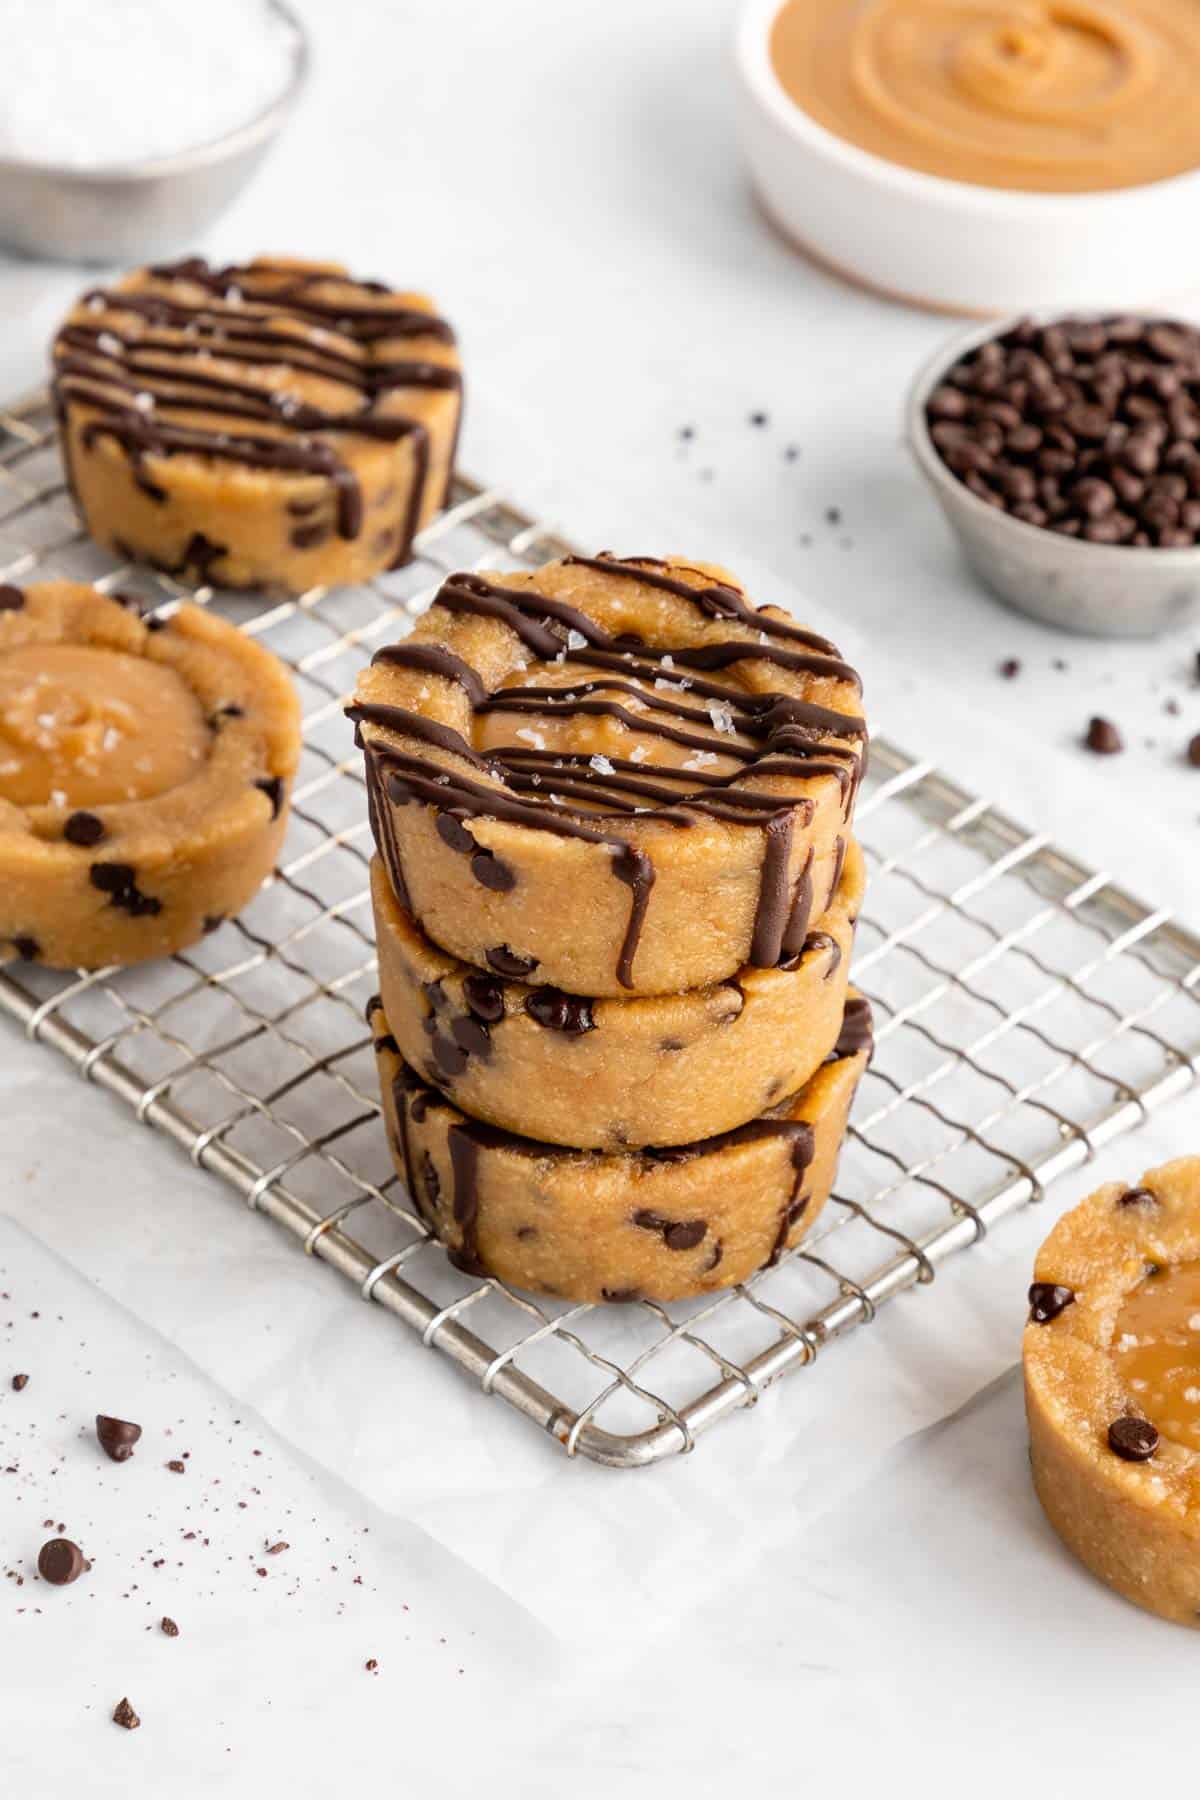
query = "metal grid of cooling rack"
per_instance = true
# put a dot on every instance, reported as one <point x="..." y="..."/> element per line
<point x="1027" y="1012"/>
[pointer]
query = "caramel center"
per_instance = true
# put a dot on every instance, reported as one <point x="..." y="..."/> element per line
<point x="81" y="726"/>
<point x="1157" y="1349"/>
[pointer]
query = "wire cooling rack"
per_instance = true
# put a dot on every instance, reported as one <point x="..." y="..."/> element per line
<point x="1027" y="1012"/>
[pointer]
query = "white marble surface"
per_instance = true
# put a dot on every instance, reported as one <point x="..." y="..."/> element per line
<point x="851" y="1585"/>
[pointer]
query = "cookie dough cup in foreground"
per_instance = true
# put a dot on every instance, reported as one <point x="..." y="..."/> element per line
<point x="615" y="1074"/>
<point x="144" y="775"/>
<point x="611" y="776"/>
<point x="660" y="1225"/>
<point x="1112" y="1387"/>
<point x="275" y="426"/>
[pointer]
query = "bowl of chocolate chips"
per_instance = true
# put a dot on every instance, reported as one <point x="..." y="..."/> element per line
<point x="1065" y="453"/>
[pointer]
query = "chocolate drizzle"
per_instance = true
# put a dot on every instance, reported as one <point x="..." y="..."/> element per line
<point x="587" y="797"/>
<point x="142" y="362"/>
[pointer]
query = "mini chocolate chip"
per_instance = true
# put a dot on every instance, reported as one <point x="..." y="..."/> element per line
<point x="60" y="1562"/>
<point x="117" y="1436"/>
<point x="1009" y="667"/>
<point x="307" y="537"/>
<point x="19" y="1382"/>
<point x="556" y="1011"/>
<point x="1134" y="1440"/>
<point x="11" y="598"/>
<point x="26" y="947"/>
<point x="1047" y="1299"/>
<point x="272" y="787"/>
<point x="1138" y="1196"/>
<point x="686" y="1234"/>
<point x="491" y="872"/>
<point x="453" y="832"/>
<point x="1103" y="737"/>
<point x="510" y="962"/>
<point x="485" y="998"/>
<point x="525" y="1232"/>
<point x="168" y="1627"/>
<point x="124" y="1715"/>
<point x="83" y="828"/>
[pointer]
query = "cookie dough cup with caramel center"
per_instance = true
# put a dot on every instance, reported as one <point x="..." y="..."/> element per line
<point x="611" y="776"/>
<point x="654" y="1225"/>
<point x="275" y="426"/>
<point x="612" y="1074"/>
<point x="1112" y="1387"/>
<point x="144" y="775"/>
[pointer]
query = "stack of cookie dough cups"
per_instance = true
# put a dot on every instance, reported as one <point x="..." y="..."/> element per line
<point x="615" y="893"/>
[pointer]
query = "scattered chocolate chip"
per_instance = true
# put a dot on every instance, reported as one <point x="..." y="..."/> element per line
<point x="168" y="1627"/>
<point x="1139" y="1196"/>
<point x="490" y="871"/>
<point x="1103" y="737"/>
<point x="272" y="787"/>
<point x="1009" y="667"/>
<point x="117" y="1437"/>
<point x="1047" y="1299"/>
<point x="84" y="829"/>
<point x="19" y="1382"/>
<point x="278" y="1549"/>
<point x="556" y="1011"/>
<point x="510" y="962"/>
<point x="453" y="832"/>
<point x="371" y="1665"/>
<point x="1134" y="1440"/>
<point x="176" y="1467"/>
<point x="26" y="947"/>
<point x="11" y="598"/>
<point x="124" y="1715"/>
<point x="60" y="1562"/>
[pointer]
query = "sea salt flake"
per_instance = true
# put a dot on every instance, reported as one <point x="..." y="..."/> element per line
<point x="670" y="687"/>
<point x="1192" y="1395"/>
<point x="576" y="640"/>
<point x="528" y="736"/>
<point x="700" y="760"/>
<point x="668" y="662"/>
<point x="110" y="345"/>
<point x="601" y="765"/>
<point x="234" y="295"/>
<point x="57" y="797"/>
<point x="721" y="716"/>
<point x="639" y="753"/>
<point x="1127" y="1341"/>
<point x="96" y="303"/>
<point x="144" y="402"/>
<point x="1194" y="1322"/>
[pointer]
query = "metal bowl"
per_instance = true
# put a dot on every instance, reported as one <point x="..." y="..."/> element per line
<point x="1097" y="590"/>
<point x="132" y="212"/>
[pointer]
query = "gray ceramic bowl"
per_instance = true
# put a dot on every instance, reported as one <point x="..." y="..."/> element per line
<point x="132" y="213"/>
<point x="1100" y="590"/>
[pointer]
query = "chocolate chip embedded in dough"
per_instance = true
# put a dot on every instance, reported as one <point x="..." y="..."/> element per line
<point x="430" y="1180"/>
<point x="84" y="829"/>
<point x="272" y="787"/>
<point x="471" y="1035"/>
<point x="26" y="947"/>
<point x="213" y="922"/>
<point x="491" y="872"/>
<point x="453" y="833"/>
<point x="117" y="1436"/>
<point x="1134" y="1440"/>
<point x="485" y="998"/>
<point x="556" y="1011"/>
<point x="677" y="1234"/>
<point x="307" y="537"/>
<point x="60" y="1561"/>
<point x="449" y="1059"/>
<point x="1047" y="1299"/>
<point x="11" y="598"/>
<point x="621" y="1296"/>
<point x="387" y="1042"/>
<point x="124" y="1715"/>
<point x="1139" y="1197"/>
<point x="510" y="962"/>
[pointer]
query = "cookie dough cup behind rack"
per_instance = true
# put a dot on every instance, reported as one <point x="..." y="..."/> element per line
<point x="611" y="776"/>
<point x="1112" y="1387"/>
<point x="274" y="426"/>
<point x="144" y="775"/>
<point x="611" y="1074"/>
<point x="654" y="1225"/>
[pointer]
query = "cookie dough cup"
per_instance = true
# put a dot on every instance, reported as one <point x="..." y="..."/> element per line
<point x="1112" y="1387"/>
<point x="613" y="777"/>
<point x="615" y="1074"/>
<point x="277" y="426"/>
<point x="144" y="775"/>
<point x="655" y="1225"/>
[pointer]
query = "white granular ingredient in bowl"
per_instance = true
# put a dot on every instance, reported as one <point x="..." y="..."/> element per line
<point x="92" y="84"/>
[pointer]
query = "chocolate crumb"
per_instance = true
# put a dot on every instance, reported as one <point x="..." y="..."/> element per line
<point x="371" y="1665"/>
<point x="1193" y="751"/>
<point x="277" y="1549"/>
<point x="1103" y="737"/>
<point x="124" y="1715"/>
<point x="168" y="1627"/>
<point x="117" y="1436"/>
<point x="26" y="947"/>
<point x="19" y="1382"/>
<point x="1009" y="667"/>
<point x="1133" y="1440"/>
<point x="176" y="1467"/>
<point x="758" y="419"/>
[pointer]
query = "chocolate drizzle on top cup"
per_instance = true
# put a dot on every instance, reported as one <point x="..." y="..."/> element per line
<point x="1085" y="427"/>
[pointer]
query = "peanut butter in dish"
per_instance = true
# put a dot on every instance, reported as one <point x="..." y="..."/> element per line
<point x="1020" y="94"/>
